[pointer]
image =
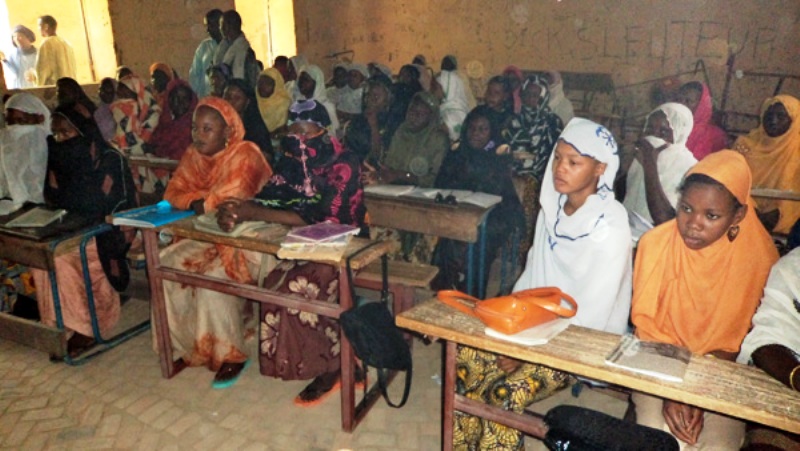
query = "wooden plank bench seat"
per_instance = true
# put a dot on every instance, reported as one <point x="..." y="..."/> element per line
<point x="404" y="279"/>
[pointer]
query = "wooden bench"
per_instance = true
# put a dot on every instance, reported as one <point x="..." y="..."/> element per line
<point x="404" y="279"/>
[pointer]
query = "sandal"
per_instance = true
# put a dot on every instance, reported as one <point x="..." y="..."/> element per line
<point x="228" y="374"/>
<point x="318" y="390"/>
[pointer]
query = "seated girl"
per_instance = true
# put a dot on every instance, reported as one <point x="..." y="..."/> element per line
<point x="457" y="98"/>
<point x="535" y="129"/>
<point x="497" y="99"/>
<point x="207" y="327"/>
<point x="136" y="113"/>
<point x="85" y="175"/>
<point x="772" y="151"/>
<point x="23" y="148"/>
<point x="173" y="137"/>
<point x="243" y="99"/>
<point x="697" y="283"/>
<point x="662" y="160"/>
<point x="706" y="136"/>
<point x="273" y="100"/>
<point x="218" y="77"/>
<point x="69" y="92"/>
<point x="581" y="228"/>
<point x="160" y="76"/>
<point x="417" y="147"/>
<point x="773" y="344"/>
<point x="317" y="181"/>
<point x="482" y="163"/>
<point x="514" y="79"/>
<point x="368" y="134"/>
<point x="311" y="86"/>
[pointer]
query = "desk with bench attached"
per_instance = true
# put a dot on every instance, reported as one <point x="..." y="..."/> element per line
<point x="266" y="241"/>
<point x="721" y="386"/>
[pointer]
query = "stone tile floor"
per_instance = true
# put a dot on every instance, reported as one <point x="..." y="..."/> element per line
<point x="119" y="401"/>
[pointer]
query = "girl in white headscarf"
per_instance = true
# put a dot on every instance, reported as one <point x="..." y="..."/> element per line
<point x="458" y="99"/>
<point x="23" y="151"/>
<point x="296" y="65"/>
<point x="311" y="85"/>
<point x="582" y="242"/>
<point x="661" y="162"/>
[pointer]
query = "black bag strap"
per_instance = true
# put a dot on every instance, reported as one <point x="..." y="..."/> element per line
<point x="383" y="373"/>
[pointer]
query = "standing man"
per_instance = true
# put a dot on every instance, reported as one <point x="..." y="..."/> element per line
<point x="234" y="48"/>
<point x="204" y="55"/>
<point x="56" y="59"/>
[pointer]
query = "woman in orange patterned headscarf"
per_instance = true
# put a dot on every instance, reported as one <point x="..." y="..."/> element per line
<point x="160" y="76"/>
<point x="773" y="152"/>
<point x="207" y="327"/>
<point x="697" y="282"/>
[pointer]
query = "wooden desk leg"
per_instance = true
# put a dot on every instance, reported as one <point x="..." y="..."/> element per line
<point x="449" y="395"/>
<point x="160" y="321"/>
<point x="347" y="359"/>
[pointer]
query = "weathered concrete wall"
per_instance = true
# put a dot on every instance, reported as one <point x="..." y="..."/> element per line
<point x="146" y="31"/>
<point x="633" y="40"/>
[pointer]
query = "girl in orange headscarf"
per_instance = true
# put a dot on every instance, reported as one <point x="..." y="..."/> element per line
<point x="773" y="152"/>
<point x="697" y="282"/>
<point x="207" y="327"/>
<point x="160" y="76"/>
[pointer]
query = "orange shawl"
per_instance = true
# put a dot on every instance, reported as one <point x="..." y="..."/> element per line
<point x="239" y="170"/>
<point x="703" y="299"/>
<point x="775" y="162"/>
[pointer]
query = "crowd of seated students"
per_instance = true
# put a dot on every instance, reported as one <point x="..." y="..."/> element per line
<point x="279" y="145"/>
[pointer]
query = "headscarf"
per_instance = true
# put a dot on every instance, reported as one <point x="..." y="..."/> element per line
<point x="239" y="170"/>
<point x="309" y="110"/>
<point x="588" y="253"/>
<point x="777" y="319"/>
<point x="163" y="67"/>
<point x="673" y="162"/>
<point x="361" y="68"/>
<point x="25" y="31"/>
<point x="382" y="68"/>
<point x="82" y="99"/>
<point x="536" y="129"/>
<point x="458" y="99"/>
<point x="275" y="108"/>
<point x="320" y="94"/>
<point x="318" y="180"/>
<point x="171" y="139"/>
<point x="419" y="152"/>
<point x="255" y="130"/>
<point x="706" y="137"/>
<point x="23" y="154"/>
<point x="29" y="103"/>
<point x="516" y="98"/>
<point x="559" y="102"/>
<point x="136" y="118"/>
<point x="703" y="299"/>
<point x="775" y="162"/>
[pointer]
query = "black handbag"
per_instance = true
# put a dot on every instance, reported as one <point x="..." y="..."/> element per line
<point x="375" y="339"/>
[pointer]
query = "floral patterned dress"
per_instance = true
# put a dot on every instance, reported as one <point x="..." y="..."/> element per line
<point x="320" y="183"/>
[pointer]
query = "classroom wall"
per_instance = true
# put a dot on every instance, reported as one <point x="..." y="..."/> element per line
<point x="146" y="31"/>
<point x="633" y="40"/>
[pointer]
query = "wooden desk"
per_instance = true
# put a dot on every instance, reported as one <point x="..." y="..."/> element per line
<point x="776" y="194"/>
<point x="721" y="386"/>
<point x="153" y="162"/>
<point x="462" y="222"/>
<point x="352" y="414"/>
<point x="38" y="248"/>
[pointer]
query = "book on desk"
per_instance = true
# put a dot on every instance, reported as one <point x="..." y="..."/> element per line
<point x="661" y="360"/>
<point x="325" y="240"/>
<point x="37" y="217"/>
<point x="150" y="216"/>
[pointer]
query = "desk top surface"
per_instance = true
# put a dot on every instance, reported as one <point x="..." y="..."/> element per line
<point x="458" y="222"/>
<point x="712" y="384"/>
<point x="268" y="240"/>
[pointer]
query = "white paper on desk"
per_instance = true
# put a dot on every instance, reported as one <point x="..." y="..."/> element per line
<point x="482" y="199"/>
<point x="534" y="336"/>
<point x="389" y="190"/>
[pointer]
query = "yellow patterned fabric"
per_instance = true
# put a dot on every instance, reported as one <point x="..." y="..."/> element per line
<point x="479" y="378"/>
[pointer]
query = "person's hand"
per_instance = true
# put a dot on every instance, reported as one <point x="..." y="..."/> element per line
<point x="51" y="179"/>
<point x="685" y="421"/>
<point x="645" y="151"/>
<point x="233" y="211"/>
<point x="2" y="56"/>
<point x="198" y="206"/>
<point x="507" y="364"/>
<point x="370" y="177"/>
